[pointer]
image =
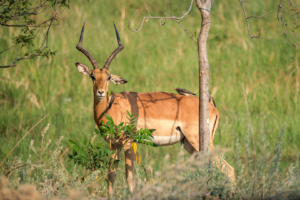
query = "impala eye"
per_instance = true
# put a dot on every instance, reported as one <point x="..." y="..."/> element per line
<point x="93" y="77"/>
<point x="109" y="77"/>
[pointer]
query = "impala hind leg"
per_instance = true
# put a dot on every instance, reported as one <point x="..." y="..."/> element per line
<point x="225" y="167"/>
<point x="112" y="172"/>
<point x="188" y="147"/>
<point x="129" y="164"/>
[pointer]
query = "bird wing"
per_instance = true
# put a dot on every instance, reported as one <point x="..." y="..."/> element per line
<point x="188" y="92"/>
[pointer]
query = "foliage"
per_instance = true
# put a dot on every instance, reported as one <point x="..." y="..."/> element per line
<point x="91" y="156"/>
<point x="156" y="61"/>
<point x="97" y="156"/>
<point x="25" y="15"/>
<point x="191" y="177"/>
<point x="142" y="135"/>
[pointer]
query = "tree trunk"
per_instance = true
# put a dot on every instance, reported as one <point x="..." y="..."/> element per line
<point x="203" y="75"/>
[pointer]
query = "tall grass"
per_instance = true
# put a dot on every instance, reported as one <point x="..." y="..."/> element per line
<point x="155" y="59"/>
<point x="192" y="178"/>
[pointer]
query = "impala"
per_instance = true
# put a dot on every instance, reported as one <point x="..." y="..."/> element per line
<point x="175" y="117"/>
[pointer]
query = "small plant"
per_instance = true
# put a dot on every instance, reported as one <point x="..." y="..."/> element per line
<point x="91" y="156"/>
<point x="97" y="156"/>
<point x="129" y="130"/>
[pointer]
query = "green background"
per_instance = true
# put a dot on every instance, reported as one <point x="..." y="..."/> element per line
<point x="158" y="58"/>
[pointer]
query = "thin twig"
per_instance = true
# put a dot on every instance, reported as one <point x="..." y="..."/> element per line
<point x="294" y="8"/>
<point x="145" y="172"/>
<point x="22" y="58"/>
<point x="61" y="160"/>
<point x="20" y="166"/>
<point x="23" y="138"/>
<point x="162" y="20"/>
<point x="248" y="27"/>
<point x="279" y="16"/>
<point x="253" y="141"/>
<point x="8" y="48"/>
<point x="289" y="33"/>
<point x="213" y="36"/>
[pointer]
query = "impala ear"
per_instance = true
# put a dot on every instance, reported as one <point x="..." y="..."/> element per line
<point x="83" y="69"/>
<point x="117" y="80"/>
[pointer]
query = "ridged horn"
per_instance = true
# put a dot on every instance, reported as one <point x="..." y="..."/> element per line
<point x="84" y="51"/>
<point x="116" y="51"/>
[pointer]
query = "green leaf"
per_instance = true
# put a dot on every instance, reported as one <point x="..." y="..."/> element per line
<point x="73" y="142"/>
<point x="109" y="118"/>
<point x="116" y="161"/>
<point x="150" y="143"/>
<point x="147" y="138"/>
<point x="120" y="125"/>
<point x="150" y="135"/>
<point x="104" y="128"/>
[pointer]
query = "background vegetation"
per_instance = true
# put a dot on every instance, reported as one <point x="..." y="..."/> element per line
<point x="155" y="59"/>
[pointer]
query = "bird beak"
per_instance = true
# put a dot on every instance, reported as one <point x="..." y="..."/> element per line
<point x="175" y="88"/>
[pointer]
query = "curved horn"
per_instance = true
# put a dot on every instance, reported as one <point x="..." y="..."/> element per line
<point x="84" y="51"/>
<point x="116" y="51"/>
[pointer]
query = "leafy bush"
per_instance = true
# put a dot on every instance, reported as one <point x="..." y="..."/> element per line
<point x="97" y="156"/>
<point x="28" y="15"/>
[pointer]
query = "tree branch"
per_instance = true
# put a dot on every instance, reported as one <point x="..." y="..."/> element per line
<point x="22" y="58"/>
<point x="289" y="32"/>
<point x="27" y="18"/>
<point x="162" y="20"/>
<point x="283" y="24"/>
<point x="248" y="27"/>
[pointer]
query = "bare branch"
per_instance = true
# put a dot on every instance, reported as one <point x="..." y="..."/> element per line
<point x="162" y="20"/>
<point x="289" y="32"/>
<point x="283" y="24"/>
<point x="262" y="16"/>
<point x="22" y="58"/>
<point x="245" y="14"/>
<point x="8" y="48"/>
<point x="213" y="37"/>
<point x="294" y="8"/>
<point x="192" y="37"/>
<point x="171" y="8"/>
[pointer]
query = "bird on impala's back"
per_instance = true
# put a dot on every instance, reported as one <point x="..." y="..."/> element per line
<point x="184" y="92"/>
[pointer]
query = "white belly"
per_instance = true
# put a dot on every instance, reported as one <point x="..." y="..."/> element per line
<point x="167" y="140"/>
<point x="165" y="133"/>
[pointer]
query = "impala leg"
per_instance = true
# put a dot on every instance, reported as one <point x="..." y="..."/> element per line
<point x="188" y="147"/>
<point x="225" y="167"/>
<point x="213" y="125"/>
<point x="112" y="172"/>
<point x="129" y="164"/>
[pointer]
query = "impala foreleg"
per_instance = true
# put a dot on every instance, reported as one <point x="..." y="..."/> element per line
<point x="129" y="164"/>
<point x="112" y="170"/>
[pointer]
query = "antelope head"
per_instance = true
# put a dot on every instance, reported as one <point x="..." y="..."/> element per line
<point x="100" y="76"/>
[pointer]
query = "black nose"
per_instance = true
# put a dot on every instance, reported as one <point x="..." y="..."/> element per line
<point x="100" y="92"/>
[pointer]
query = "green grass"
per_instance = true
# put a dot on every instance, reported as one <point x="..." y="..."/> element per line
<point x="155" y="59"/>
